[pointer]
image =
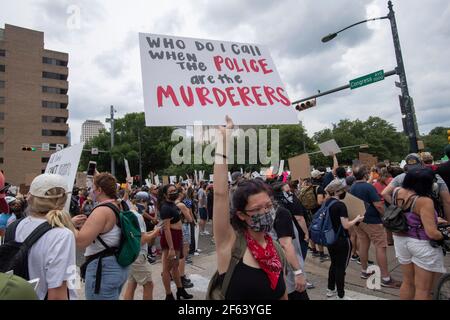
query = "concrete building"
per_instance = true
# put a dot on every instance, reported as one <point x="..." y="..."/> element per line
<point x="90" y="129"/>
<point x="33" y="102"/>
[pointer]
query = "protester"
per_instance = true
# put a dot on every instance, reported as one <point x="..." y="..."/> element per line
<point x="202" y="208"/>
<point x="380" y="184"/>
<point x="421" y="263"/>
<point x="339" y="251"/>
<point x="52" y="258"/>
<point x="444" y="169"/>
<point x="87" y="207"/>
<point x="428" y="159"/>
<point x="100" y="234"/>
<point x="171" y="241"/>
<point x="259" y="274"/>
<point x="371" y="230"/>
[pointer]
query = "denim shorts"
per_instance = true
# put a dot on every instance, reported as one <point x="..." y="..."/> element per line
<point x="186" y="233"/>
<point x="114" y="277"/>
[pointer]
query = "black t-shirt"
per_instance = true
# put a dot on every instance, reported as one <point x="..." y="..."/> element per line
<point x="338" y="210"/>
<point x="444" y="172"/>
<point x="283" y="223"/>
<point x="169" y="210"/>
<point x="297" y="209"/>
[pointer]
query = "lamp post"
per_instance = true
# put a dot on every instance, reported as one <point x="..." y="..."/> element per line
<point x="406" y="102"/>
<point x="111" y="120"/>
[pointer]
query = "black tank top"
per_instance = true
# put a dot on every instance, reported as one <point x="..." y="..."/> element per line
<point x="248" y="283"/>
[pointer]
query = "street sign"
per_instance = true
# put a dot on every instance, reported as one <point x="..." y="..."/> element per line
<point x="367" y="79"/>
<point x="59" y="147"/>
<point x="46" y="147"/>
<point x="94" y="151"/>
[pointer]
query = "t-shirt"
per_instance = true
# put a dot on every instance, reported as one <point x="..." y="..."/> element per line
<point x="329" y="176"/>
<point x="337" y="211"/>
<point x="297" y="209"/>
<point x="283" y="223"/>
<point x="367" y="192"/>
<point x="201" y="198"/>
<point x="169" y="210"/>
<point x="52" y="258"/>
<point x="444" y="172"/>
<point x="380" y="186"/>
<point x="142" y="226"/>
<point x="442" y="186"/>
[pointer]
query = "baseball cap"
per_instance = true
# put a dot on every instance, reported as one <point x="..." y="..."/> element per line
<point x="235" y="176"/>
<point x="316" y="173"/>
<point x="45" y="182"/>
<point x="413" y="161"/>
<point x="142" y="195"/>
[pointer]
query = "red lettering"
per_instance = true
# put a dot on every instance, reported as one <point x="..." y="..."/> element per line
<point x="269" y="92"/>
<point x="254" y="65"/>
<point x="218" y="60"/>
<point x="236" y="65"/>
<point x="284" y="99"/>
<point x="202" y="94"/>
<point x="167" y="93"/>
<point x="220" y="96"/>
<point x="257" y="95"/>
<point x="189" y="98"/>
<point x="263" y="64"/>
<point x="231" y="96"/>
<point x="229" y="63"/>
<point x="243" y="93"/>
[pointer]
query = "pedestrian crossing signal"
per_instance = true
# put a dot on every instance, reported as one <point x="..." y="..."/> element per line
<point x="28" y="148"/>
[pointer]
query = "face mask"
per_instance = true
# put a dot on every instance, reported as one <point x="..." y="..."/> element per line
<point x="172" y="196"/>
<point x="342" y="195"/>
<point x="262" y="222"/>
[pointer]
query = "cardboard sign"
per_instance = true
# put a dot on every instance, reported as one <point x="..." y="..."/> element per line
<point x="368" y="160"/>
<point x="300" y="167"/>
<point x="65" y="163"/>
<point x="186" y="80"/>
<point x="165" y="180"/>
<point x="81" y="180"/>
<point x="329" y="148"/>
<point x="355" y="206"/>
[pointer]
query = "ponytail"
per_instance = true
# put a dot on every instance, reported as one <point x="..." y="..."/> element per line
<point x="60" y="219"/>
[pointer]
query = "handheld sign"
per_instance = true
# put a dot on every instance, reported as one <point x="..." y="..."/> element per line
<point x="300" y="167"/>
<point x="186" y="80"/>
<point x="329" y="148"/>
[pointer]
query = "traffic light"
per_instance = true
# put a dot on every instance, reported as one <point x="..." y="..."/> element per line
<point x="28" y="148"/>
<point x="448" y="136"/>
<point x="306" y="105"/>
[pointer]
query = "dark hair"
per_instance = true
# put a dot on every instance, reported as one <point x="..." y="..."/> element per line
<point x="395" y="171"/>
<point x="360" y="172"/>
<point x="108" y="183"/>
<point x="447" y="151"/>
<point x="244" y="190"/>
<point x="420" y="181"/>
<point x="341" y="173"/>
<point x="162" y="192"/>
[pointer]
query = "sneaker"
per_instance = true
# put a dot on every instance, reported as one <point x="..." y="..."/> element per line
<point x="198" y="250"/>
<point x="309" y="285"/>
<point x="369" y="262"/>
<point x="343" y="298"/>
<point x="151" y="259"/>
<point x="391" y="283"/>
<point x="355" y="257"/>
<point x="331" y="293"/>
<point x="206" y="233"/>
<point x="365" y="275"/>
<point x="315" y="254"/>
<point x="196" y="254"/>
<point x="324" y="257"/>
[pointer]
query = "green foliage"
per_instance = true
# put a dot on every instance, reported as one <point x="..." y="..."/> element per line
<point x="436" y="141"/>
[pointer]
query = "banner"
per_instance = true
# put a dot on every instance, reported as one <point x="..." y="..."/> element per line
<point x="300" y="167"/>
<point x="65" y="163"/>
<point x="187" y="80"/>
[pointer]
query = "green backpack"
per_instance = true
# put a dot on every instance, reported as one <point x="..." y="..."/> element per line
<point x="216" y="289"/>
<point x="130" y="242"/>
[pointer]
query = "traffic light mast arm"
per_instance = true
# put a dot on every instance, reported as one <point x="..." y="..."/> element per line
<point x="386" y="74"/>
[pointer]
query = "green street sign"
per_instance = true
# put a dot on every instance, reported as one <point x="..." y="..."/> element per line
<point x="367" y="79"/>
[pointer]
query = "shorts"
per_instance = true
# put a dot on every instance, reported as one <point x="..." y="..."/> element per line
<point x="203" y="213"/>
<point x="375" y="233"/>
<point x="186" y="233"/>
<point x="420" y="252"/>
<point x="177" y="240"/>
<point x="140" y="271"/>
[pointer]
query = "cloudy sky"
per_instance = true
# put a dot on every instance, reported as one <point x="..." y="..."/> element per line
<point x="105" y="64"/>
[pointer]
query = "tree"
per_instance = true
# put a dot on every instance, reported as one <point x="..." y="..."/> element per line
<point x="435" y="142"/>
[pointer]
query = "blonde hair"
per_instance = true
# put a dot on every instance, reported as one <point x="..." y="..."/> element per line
<point x="52" y="208"/>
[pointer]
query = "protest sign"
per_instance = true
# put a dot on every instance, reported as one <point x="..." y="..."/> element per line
<point x="329" y="148"/>
<point x="367" y="159"/>
<point x="81" y="180"/>
<point x="127" y="169"/>
<point x="165" y="180"/>
<point x="211" y="177"/>
<point x="300" y="167"/>
<point x="173" y="179"/>
<point x="281" y="168"/>
<point x="157" y="180"/>
<point x="187" y="80"/>
<point x="65" y="163"/>
<point x="355" y="206"/>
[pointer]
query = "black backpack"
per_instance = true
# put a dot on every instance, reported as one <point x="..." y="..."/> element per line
<point x="14" y="255"/>
<point x="394" y="218"/>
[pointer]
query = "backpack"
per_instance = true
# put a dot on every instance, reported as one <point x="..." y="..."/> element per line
<point x="74" y="208"/>
<point x="216" y="289"/>
<point x="321" y="230"/>
<point x="308" y="197"/>
<point x="130" y="241"/>
<point x="14" y="255"/>
<point x="394" y="219"/>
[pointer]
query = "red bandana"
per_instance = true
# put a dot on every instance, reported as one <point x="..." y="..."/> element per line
<point x="267" y="258"/>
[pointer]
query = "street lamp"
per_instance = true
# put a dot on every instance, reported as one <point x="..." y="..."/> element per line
<point x="406" y="102"/>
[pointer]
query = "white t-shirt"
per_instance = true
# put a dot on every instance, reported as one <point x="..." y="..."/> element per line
<point x="52" y="258"/>
<point x="144" y="247"/>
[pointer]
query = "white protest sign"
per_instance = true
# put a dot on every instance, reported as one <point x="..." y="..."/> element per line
<point x="157" y="180"/>
<point x="148" y="183"/>
<point x="281" y="168"/>
<point x="127" y="169"/>
<point x="211" y="177"/>
<point x="186" y="80"/>
<point x="173" y="179"/>
<point x="65" y="163"/>
<point x="329" y="147"/>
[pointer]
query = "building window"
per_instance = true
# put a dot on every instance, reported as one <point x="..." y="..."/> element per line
<point x="2" y="100"/>
<point x="53" y="133"/>
<point x="2" y="84"/>
<point x="52" y="75"/>
<point x="53" y="105"/>
<point x="54" y="90"/>
<point x="2" y="68"/>
<point x="45" y="160"/>
<point x="2" y="53"/>
<point x="51" y="119"/>
<point x="53" y="146"/>
<point x="55" y="62"/>
<point x="2" y="116"/>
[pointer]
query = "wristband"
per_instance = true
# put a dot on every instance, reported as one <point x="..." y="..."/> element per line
<point x="298" y="272"/>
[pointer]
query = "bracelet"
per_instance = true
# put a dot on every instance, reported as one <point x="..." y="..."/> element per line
<point x="298" y="272"/>
<point x="221" y="155"/>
